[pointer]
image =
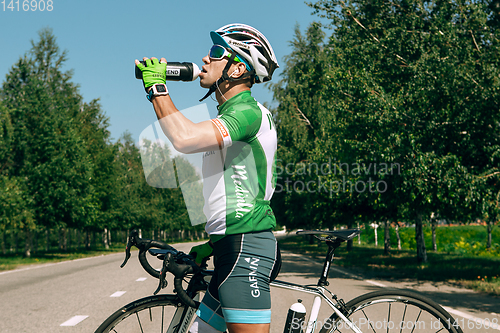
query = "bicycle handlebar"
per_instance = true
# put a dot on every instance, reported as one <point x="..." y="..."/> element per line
<point x="179" y="271"/>
<point x="176" y="262"/>
<point x="144" y="245"/>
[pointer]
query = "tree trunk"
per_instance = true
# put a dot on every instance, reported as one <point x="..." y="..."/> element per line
<point x="350" y="241"/>
<point x="387" y="238"/>
<point x="47" y="239"/>
<point x="35" y="242"/>
<point x="27" y="244"/>
<point x="16" y="242"/>
<point x="87" y="239"/>
<point x="63" y="240"/>
<point x="375" y="227"/>
<point x="398" y="236"/>
<point x="489" y="227"/>
<point x="419" y="237"/>
<point x="4" y="242"/>
<point x="70" y="231"/>
<point x="434" y="226"/>
<point x="77" y="238"/>
<point x="359" y="236"/>
<point x="105" y="242"/>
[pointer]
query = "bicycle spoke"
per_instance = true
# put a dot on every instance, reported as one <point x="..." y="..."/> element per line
<point x="416" y="321"/>
<point x="162" y="317"/>
<point x="139" y="320"/>
<point x="368" y="320"/>
<point x="406" y="309"/>
<point x="403" y="319"/>
<point x="150" y="315"/>
<point x="389" y="318"/>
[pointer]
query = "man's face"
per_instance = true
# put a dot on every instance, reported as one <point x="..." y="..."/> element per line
<point x="211" y="71"/>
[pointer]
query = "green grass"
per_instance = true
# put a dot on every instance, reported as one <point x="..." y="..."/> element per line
<point x="464" y="240"/>
<point x="453" y="267"/>
<point x="13" y="261"/>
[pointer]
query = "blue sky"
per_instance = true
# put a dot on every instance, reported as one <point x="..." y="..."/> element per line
<point x="103" y="38"/>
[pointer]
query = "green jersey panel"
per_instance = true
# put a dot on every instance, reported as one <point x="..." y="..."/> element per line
<point x="239" y="179"/>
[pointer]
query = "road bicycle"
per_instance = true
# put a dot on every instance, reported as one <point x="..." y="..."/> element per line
<point x="386" y="310"/>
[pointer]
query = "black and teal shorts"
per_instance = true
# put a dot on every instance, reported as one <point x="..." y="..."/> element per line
<point x="239" y="290"/>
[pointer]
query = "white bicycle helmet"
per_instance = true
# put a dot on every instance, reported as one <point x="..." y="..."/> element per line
<point x="251" y="45"/>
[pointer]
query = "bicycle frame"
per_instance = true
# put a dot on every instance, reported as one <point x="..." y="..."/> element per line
<point x="319" y="292"/>
<point x="186" y="301"/>
<point x="183" y="316"/>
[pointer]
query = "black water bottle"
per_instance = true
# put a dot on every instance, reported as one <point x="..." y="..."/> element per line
<point x="295" y="318"/>
<point x="176" y="71"/>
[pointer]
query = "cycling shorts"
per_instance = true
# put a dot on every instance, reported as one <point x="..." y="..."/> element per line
<point x="239" y="290"/>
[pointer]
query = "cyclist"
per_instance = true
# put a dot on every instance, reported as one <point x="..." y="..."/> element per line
<point x="238" y="172"/>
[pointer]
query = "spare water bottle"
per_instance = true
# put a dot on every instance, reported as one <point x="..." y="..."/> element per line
<point x="176" y="71"/>
<point x="295" y="318"/>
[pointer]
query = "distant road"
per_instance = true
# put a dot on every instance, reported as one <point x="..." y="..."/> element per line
<point x="83" y="293"/>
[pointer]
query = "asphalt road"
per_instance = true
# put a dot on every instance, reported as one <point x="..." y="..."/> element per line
<point x="81" y="294"/>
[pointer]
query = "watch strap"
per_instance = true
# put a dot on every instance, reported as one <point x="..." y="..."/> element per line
<point x="159" y="89"/>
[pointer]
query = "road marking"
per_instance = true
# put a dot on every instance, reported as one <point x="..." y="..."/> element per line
<point x="74" y="321"/>
<point x="141" y="279"/>
<point x="118" y="294"/>
<point x="378" y="284"/>
<point x="471" y="318"/>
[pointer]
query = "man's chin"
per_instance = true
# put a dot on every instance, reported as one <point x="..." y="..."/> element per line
<point x="205" y="85"/>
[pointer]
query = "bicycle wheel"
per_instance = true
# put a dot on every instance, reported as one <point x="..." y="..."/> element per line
<point x="153" y="314"/>
<point x="393" y="311"/>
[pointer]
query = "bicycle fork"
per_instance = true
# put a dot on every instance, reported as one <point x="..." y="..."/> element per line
<point x="182" y="318"/>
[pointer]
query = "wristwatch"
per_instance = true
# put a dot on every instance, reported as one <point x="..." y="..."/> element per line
<point x="159" y="89"/>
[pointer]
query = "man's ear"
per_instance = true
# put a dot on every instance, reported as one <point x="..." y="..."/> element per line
<point x="239" y="70"/>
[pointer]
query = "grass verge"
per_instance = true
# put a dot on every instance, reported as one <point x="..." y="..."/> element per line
<point x="13" y="261"/>
<point x="478" y="273"/>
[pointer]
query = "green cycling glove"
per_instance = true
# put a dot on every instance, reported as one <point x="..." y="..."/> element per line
<point x="153" y="72"/>
<point x="200" y="252"/>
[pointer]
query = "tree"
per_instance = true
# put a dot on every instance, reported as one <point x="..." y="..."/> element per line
<point x="413" y="84"/>
<point x="48" y="152"/>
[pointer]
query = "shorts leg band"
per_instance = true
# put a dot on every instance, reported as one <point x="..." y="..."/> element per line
<point x="247" y="316"/>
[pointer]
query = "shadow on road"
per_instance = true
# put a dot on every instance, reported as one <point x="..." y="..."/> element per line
<point x="443" y="293"/>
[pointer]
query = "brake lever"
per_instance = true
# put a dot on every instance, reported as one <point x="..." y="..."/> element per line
<point x="162" y="281"/>
<point x="131" y="242"/>
<point x="127" y="257"/>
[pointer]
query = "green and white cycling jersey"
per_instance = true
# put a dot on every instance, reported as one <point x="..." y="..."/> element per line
<point x="240" y="178"/>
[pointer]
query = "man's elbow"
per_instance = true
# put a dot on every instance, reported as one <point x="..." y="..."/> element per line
<point x="182" y="147"/>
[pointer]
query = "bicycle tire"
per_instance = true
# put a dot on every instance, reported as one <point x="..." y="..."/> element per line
<point x="394" y="311"/>
<point x="128" y="318"/>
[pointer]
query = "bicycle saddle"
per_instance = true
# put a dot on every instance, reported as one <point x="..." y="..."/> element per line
<point x="345" y="235"/>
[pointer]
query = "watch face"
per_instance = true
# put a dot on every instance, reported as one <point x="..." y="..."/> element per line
<point x="160" y="88"/>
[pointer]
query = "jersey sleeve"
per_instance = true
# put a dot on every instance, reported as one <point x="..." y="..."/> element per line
<point x="238" y="126"/>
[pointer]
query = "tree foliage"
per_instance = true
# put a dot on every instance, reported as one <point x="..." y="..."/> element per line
<point x="58" y="166"/>
<point x="408" y="86"/>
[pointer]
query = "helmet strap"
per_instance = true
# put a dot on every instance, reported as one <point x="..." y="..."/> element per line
<point x="226" y="77"/>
